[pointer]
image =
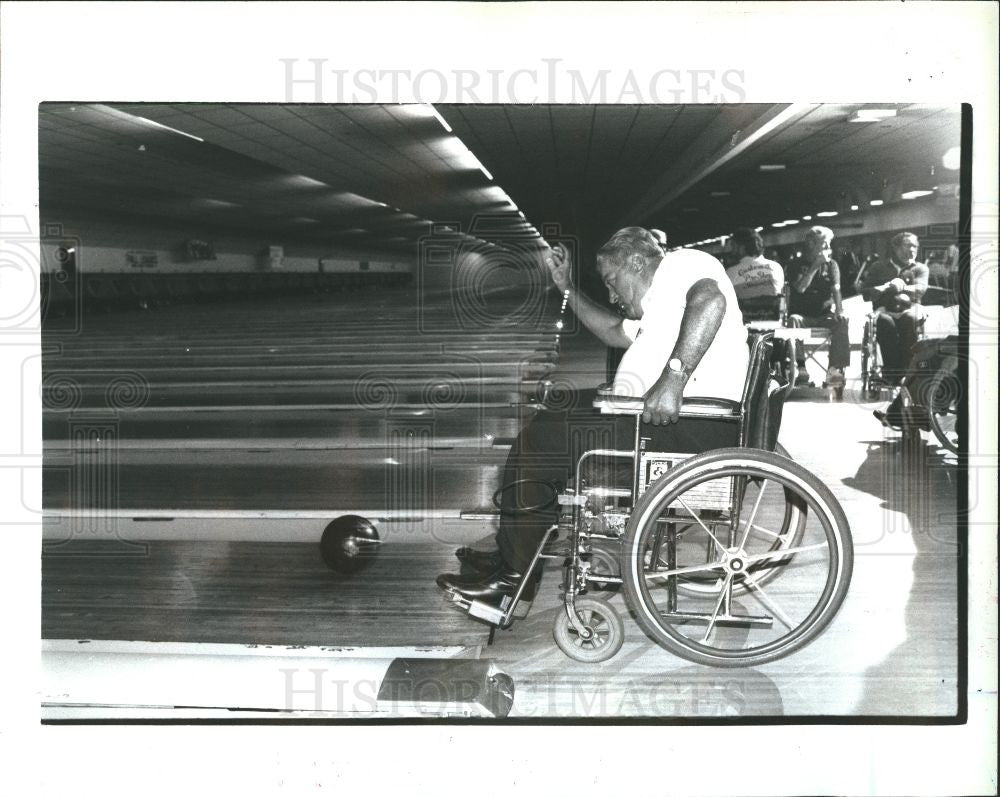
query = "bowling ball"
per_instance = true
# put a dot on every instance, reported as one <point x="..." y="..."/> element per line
<point x="349" y="544"/>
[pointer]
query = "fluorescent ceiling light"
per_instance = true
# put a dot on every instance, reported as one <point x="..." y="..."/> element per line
<point x="915" y="194"/>
<point x="455" y="147"/>
<point x="440" y="118"/>
<point x="826" y="213"/>
<point x="854" y="207"/>
<point x="872" y="114"/>
<point x="300" y="180"/>
<point x="164" y="127"/>
<point x="215" y="203"/>
<point x="875" y="203"/>
<point x="772" y="167"/>
<point x="759" y="229"/>
<point x="791" y="221"/>
<point x="355" y="200"/>
<point x="807" y="218"/>
<point x="778" y="224"/>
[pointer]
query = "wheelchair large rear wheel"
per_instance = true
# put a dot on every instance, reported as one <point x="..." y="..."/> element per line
<point x="943" y="395"/>
<point x="793" y="524"/>
<point x="738" y="622"/>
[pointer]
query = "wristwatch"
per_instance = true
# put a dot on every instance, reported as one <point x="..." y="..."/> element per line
<point x="677" y="366"/>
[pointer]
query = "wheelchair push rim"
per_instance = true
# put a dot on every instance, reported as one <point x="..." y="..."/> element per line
<point x="943" y="394"/>
<point x="729" y="628"/>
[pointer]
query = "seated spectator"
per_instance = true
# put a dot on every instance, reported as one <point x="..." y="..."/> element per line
<point x="815" y="301"/>
<point x="893" y="287"/>
<point x="758" y="282"/>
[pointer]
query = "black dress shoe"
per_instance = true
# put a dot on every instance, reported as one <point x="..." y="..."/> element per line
<point x="479" y="561"/>
<point x="491" y="588"/>
<point x="890" y="419"/>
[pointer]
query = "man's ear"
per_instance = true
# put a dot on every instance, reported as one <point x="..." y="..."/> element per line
<point x="638" y="262"/>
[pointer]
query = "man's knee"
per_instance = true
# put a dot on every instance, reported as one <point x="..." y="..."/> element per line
<point x="909" y="320"/>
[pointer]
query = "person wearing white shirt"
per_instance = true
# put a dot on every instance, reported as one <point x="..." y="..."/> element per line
<point x="684" y="335"/>
<point x="754" y="276"/>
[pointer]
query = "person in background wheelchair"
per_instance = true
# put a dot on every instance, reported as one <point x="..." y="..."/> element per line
<point x="684" y="336"/>
<point x="895" y="288"/>
<point x="815" y="301"/>
<point x="758" y="282"/>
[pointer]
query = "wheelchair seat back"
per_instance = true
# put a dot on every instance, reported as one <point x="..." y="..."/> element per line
<point x="763" y="394"/>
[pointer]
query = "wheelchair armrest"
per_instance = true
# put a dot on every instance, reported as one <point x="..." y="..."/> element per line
<point x="609" y="404"/>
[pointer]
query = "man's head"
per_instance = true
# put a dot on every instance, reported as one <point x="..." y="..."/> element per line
<point x="817" y="242"/>
<point x="746" y="242"/>
<point x="904" y="248"/>
<point x="627" y="263"/>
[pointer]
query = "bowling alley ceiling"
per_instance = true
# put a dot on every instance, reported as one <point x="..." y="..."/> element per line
<point x="378" y="175"/>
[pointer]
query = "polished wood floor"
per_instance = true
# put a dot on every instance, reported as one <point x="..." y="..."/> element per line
<point x="185" y="409"/>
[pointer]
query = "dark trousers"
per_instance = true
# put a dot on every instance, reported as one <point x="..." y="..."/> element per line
<point x="896" y="334"/>
<point x="546" y="453"/>
<point x="840" y="343"/>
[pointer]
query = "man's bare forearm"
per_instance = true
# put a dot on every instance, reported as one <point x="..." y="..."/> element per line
<point x="602" y="322"/>
<point x="703" y="314"/>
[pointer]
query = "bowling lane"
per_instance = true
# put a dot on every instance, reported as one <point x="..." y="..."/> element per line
<point x="460" y="426"/>
<point x="408" y="479"/>
<point x="247" y="593"/>
<point x="371" y="392"/>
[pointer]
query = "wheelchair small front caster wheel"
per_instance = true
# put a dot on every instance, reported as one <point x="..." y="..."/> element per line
<point x="602" y="635"/>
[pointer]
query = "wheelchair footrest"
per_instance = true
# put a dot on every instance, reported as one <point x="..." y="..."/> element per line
<point x="721" y="619"/>
<point x="496" y="615"/>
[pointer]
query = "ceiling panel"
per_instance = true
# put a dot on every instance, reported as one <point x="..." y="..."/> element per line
<point x="582" y="167"/>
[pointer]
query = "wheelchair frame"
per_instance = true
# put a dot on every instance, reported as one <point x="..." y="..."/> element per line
<point x="872" y="380"/>
<point x="575" y="624"/>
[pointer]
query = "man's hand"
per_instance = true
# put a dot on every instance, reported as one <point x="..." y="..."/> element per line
<point x="560" y="267"/>
<point x="663" y="401"/>
<point x="897" y="285"/>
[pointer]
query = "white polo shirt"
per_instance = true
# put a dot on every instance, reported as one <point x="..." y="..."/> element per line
<point x="722" y="371"/>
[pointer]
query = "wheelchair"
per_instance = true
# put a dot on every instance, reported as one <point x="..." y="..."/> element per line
<point x="732" y="558"/>
<point x="873" y="381"/>
<point x="930" y="393"/>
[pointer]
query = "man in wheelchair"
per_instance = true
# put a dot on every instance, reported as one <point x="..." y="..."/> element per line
<point x="684" y="336"/>
<point x="895" y="289"/>
<point x="759" y="283"/>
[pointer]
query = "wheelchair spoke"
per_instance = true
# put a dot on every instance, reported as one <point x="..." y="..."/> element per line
<point x="715" y="539"/>
<point x="753" y="515"/>
<point x="680" y="571"/>
<point x="768" y="603"/>
<point x="783" y="552"/>
<point x="772" y="534"/>
<point x="718" y="607"/>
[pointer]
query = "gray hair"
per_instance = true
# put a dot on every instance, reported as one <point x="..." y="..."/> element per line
<point x="630" y="246"/>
